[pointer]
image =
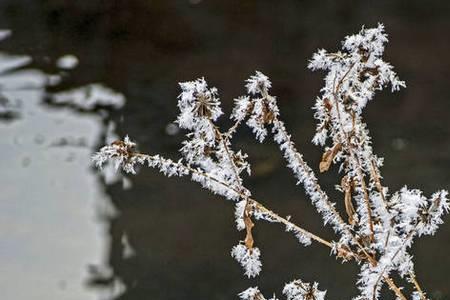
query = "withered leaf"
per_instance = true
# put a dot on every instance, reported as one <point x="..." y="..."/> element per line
<point x="328" y="156"/>
<point x="267" y="116"/>
<point x="327" y="104"/>
<point x="248" y="226"/>
<point x="118" y="143"/>
<point x="376" y="177"/>
<point x="347" y="186"/>
<point x="344" y="252"/>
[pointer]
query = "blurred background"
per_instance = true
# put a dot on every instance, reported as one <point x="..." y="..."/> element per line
<point x="77" y="74"/>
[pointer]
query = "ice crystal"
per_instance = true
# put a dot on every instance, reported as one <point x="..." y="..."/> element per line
<point x="299" y="290"/>
<point x="258" y="83"/>
<point x="248" y="259"/>
<point x="252" y="293"/>
<point x="197" y="102"/>
<point x="239" y="214"/>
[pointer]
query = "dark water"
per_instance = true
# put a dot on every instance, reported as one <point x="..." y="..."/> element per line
<point x="67" y="234"/>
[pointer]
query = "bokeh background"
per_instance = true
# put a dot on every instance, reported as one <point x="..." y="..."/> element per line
<point x="66" y="232"/>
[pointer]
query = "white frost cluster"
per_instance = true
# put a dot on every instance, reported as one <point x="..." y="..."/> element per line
<point x="239" y="214"/>
<point x="411" y="215"/>
<point x="258" y="83"/>
<point x="122" y="155"/>
<point x="415" y="212"/>
<point x="294" y="290"/>
<point x="353" y="77"/>
<point x="248" y="258"/>
<point x="241" y="108"/>
<point x="205" y="148"/>
<point x="197" y="102"/>
<point x="253" y="293"/>
<point x="301" y="237"/>
<point x="258" y="107"/>
<point x="118" y="153"/>
<point x="299" y="290"/>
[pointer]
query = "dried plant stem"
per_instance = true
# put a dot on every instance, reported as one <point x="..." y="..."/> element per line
<point x="416" y="284"/>
<point x="366" y="198"/>
<point x="232" y="129"/>
<point x="392" y="286"/>
<point x="395" y="288"/>
<point x="256" y="203"/>
<point x="392" y="258"/>
<point x="337" y="215"/>
<point x="288" y="223"/>
<point x="259" y="206"/>
<point x="375" y="174"/>
<point x="307" y="169"/>
<point x="378" y="232"/>
<point x="341" y="81"/>
<point x="322" y="241"/>
<point x="353" y="156"/>
<point x="249" y="241"/>
<point x="376" y="177"/>
<point x="362" y="183"/>
<point x="389" y="281"/>
<point x="278" y="218"/>
<point x="230" y="159"/>
<point x="329" y="204"/>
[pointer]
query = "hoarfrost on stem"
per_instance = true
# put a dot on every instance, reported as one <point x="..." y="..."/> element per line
<point x="378" y="229"/>
<point x="299" y="290"/>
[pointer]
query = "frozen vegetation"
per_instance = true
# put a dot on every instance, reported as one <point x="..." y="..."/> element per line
<point x="377" y="227"/>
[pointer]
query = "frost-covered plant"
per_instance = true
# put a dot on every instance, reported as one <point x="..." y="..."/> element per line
<point x="379" y="227"/>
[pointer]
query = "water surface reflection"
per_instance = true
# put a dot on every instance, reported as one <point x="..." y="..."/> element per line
<point x="49" y="227"/>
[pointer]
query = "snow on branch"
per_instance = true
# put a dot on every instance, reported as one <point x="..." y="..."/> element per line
<point x="294" y="290"/>
<point x="376" y="229"/>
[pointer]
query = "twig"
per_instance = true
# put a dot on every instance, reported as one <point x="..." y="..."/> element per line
<point x="353" y="156"/>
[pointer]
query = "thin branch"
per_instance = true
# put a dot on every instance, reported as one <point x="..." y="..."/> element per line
<point x="257" y="204"/>
<point x="417" y="286"/>
<point x="352" y="155"/>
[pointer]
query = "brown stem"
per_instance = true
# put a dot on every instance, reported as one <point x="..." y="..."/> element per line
<point x="296" y="228"/>
<point x="374" y="172"/>
<point x="353" y="156"/>
<point x="395" y="288"/>
<point x="366" y="199"/>
<point x="416" y="284"/>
